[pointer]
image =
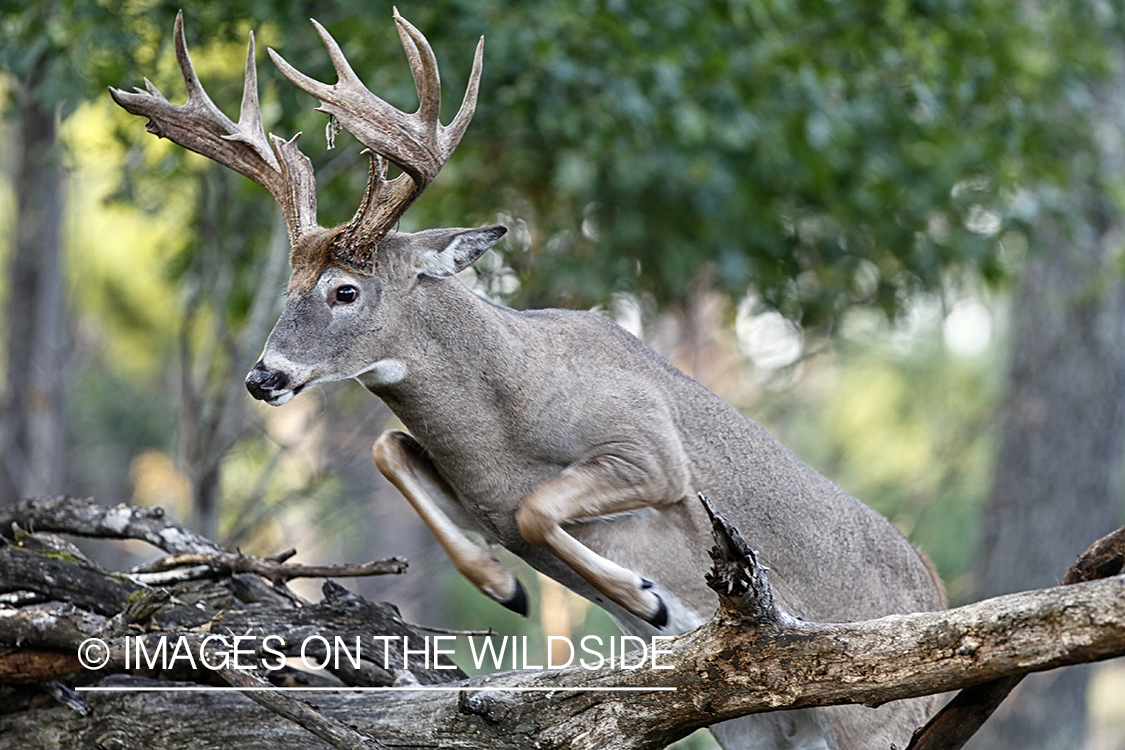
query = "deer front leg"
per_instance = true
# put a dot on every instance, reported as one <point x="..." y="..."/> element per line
<point x="586" y="491"/>
<point x="403" y="461"/>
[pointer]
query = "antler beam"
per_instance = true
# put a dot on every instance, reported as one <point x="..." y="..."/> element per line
<point x="198" y="125"/>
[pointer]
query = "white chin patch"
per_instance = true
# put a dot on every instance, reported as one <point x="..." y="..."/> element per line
<point x="284" y="398"/>
<point x="383" y="372"/>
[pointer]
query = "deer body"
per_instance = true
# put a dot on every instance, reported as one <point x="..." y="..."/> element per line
<point x="504" y="401"/>
<point x="501" y="404"/>
<point x="553" y="433"/>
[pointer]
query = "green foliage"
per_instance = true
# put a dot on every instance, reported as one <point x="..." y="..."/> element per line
<point x="826" y="154"/>
<point x="66" y="51"/>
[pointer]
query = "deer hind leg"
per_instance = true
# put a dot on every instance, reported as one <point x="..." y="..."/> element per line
<point x="403" y="461"/>
<point x="588" y="491"/>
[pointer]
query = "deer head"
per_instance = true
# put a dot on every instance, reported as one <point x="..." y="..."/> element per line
<point x="349" y="283"/>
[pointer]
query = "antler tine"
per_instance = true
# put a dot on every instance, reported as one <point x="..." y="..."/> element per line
<point x="451" y="133"/>
<point x="195" y="90"/>
<point x="423" y="67"/>
<point x="249" y="129"/>
<point x="250" y="113"/>
<point x="298" y="188"/>
<point x="202" y="127"/>
<point x="344" y="73"/>
<point x="373" y="122"/>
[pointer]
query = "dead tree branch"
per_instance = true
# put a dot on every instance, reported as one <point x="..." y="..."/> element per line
<point x="273" y="570"/>
<point x="751" y="657"/>
<point x="960" y="719"/>
<point x="83" y="517"/>
<point x="334" y="732"/>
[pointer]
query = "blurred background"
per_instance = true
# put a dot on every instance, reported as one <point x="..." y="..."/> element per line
<point x="892" y="233"/>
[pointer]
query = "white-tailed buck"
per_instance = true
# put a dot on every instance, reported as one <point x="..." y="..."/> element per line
<point x="553" y="433"/>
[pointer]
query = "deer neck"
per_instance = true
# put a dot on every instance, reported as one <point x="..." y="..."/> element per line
<point x="458" y="356"/>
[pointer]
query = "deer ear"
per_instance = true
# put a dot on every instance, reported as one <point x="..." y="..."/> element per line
<point x="447" y="252"/>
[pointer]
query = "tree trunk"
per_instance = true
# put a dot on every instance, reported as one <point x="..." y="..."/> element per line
<point x="34" y="428"/>
<point x="1058" y="474"/>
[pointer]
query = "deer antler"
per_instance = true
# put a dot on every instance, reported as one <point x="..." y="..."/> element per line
<point x="275" y="164"/>
<point x="418" y="143"/>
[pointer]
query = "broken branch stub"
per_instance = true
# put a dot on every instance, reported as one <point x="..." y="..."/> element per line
<point x="738" y="576"/>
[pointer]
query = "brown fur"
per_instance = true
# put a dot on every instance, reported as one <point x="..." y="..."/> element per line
<point x="312" y="255"/>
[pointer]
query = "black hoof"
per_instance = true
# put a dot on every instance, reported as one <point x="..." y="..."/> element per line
<point x="660" y="619"/>
<point x="518" y="602"/>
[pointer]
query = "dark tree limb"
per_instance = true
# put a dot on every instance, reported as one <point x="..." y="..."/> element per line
<point x="62" y="578"/>
<point x="56" y="625"/>
<point x="25" y="666"/>
<point x="960" y="719"/>
<point x="334" y="732"/>
<point x="83" y="517"/>
<point x="1103" y="559"/>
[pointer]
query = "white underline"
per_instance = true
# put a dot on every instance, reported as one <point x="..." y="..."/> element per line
<point x="417" y="688"/>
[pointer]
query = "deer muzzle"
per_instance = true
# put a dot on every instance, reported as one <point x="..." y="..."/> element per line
<point x="268" y="385"/>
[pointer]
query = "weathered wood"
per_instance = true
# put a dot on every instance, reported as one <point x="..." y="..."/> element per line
<point x="1103" y="559"/>
<point x="24" y="666"/>
<point x="960" y="719"/>
<point x="741" y="662"/>
<point x="340" y="614"/>
<point x="61" y="577"/>
<point x="869" y="662"/>
<point x="82" y="516"/>
<point x="331" y="730"/>
<point x="737" y="576"/>
<point x="275" y="571"/>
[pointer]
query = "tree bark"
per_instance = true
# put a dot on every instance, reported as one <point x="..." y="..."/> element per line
<point x="33" y="427"/>
<point x="959" y="720"/>
<point x="1058" y="476"/>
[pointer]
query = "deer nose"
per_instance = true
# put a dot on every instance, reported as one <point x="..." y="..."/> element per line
<point x="263" y="383"/>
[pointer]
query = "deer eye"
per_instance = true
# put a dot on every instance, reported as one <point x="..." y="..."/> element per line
<point x="344" y="295"/>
